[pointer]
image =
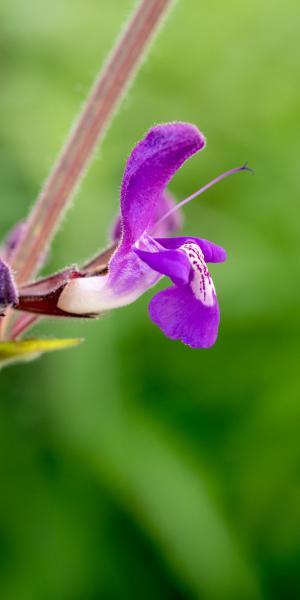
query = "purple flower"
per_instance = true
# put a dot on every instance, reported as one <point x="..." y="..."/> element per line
<point x="142" y="253"/>
<point x="188" y="310"/>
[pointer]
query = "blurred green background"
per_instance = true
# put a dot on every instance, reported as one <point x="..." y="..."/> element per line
<point x="134" y="467"/>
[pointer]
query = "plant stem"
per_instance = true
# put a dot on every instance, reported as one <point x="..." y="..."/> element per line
<point x="92" y="123"/>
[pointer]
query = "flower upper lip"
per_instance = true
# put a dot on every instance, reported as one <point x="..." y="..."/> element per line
<point x="151" y="165"/>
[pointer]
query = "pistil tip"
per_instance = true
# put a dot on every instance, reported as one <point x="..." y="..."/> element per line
<point x="246" y="168"/>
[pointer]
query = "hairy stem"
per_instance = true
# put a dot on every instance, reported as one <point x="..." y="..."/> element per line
<point x="93" y="121"/>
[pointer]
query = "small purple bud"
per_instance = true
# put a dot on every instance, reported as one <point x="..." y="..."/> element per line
<point x="8" y="291"/>
<point x="13" y="239"/>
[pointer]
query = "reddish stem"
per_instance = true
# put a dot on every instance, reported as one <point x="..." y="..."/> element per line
<point x="23" y="324"/>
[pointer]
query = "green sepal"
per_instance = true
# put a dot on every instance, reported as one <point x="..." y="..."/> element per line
<point x="25" y="350"/>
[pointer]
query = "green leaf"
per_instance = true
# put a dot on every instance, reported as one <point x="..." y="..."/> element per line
<point x="25" y="350"/>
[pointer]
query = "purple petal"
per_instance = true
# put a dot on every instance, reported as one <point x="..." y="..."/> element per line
<point x="8" y="291"/>
<point x="149" y="169"/>
<point x="168" y="225"/>
<point x="182" y="317"/>
<point x="172" y="263"/>
<point x="212" y="253"/>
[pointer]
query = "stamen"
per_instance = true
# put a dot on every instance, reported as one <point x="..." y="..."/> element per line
<point x="203" y="189"/>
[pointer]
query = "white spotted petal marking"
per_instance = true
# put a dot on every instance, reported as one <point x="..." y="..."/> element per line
<point x="201" y="282"/>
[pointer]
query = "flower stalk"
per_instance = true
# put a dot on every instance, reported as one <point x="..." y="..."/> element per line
<point x="104" y="98"/>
